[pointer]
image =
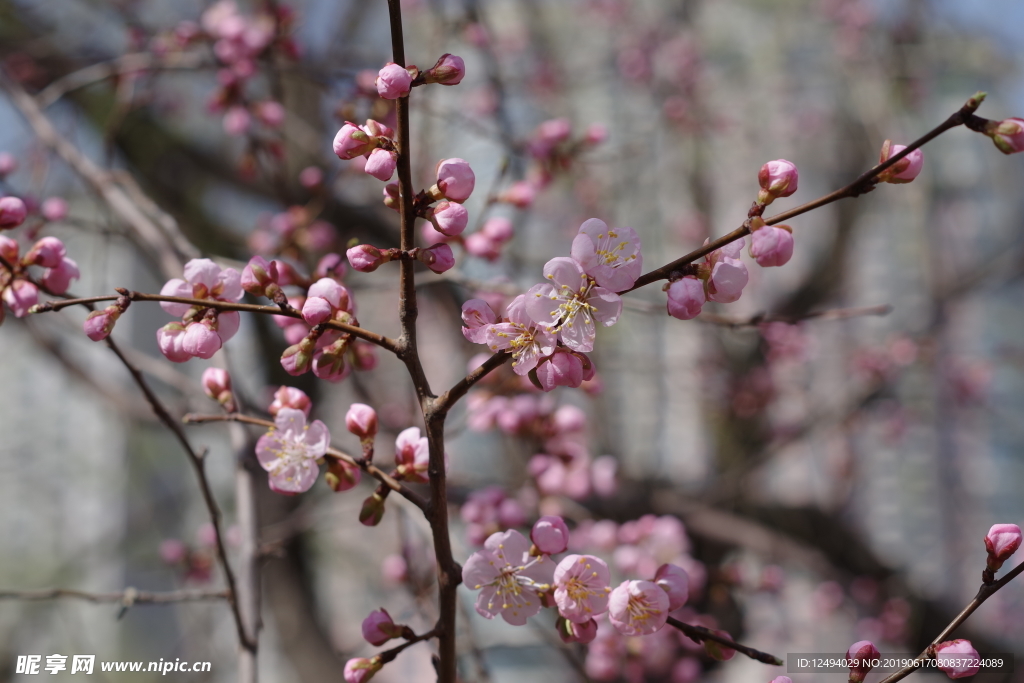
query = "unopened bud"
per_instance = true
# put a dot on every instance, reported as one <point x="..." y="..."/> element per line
<point x="260" y="277"/>
<point x="777" y="179"/>
<point x="360" y="669"/>
<point x="1008" y="135"/>
<point x="449" y="70"/>
<point x="341" y="476"/>
<point x="361" y="420"/>
<point x="99" y="324"/>
<point x="217" y="385"/>
<point x="296" y="359"/>
<point x="1001" y="541"/>
<point x="862" y="656"/>
<point x="438" y="257"/>
<point x="372" y="511"/>
<point x="366" y="258"/>
<point x="904" y="170"/>
<point x="393" y="81"/>
<point x="12" y="212"/>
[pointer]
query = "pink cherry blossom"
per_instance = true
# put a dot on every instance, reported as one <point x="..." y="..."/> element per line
<point x="638" y="608"/>
<point x="47" y="253"/>
<point x="99" y="324"/>
<point x="524" y="339"/>
<point x="393" y="81"/>
<point x="685" y="298"/>
<point x="581" y="587"/>
<point x="360" y="669"/>
<point x="361" y="420"/>
<point x="861" y="655"/>
<point x="1001" y="541"/>
<point x="169" y="339"/>
<point x="438" y="257"/>
<point x="777" y="179"/>
<point x="8" y="164"/>
<point x="455" y="179"/>
<point x="203" y="279"/>
<point x="12" y="212"/>
<point x="54" y="209"/>
<point x="675" y="582"/>
<point x="450" y="218"/>
<point x="352" y="141"/>
<point x="290" y="397"/>
<point x="379" y="628"/>
<point x="904" y="170"/>
<point x="1008" y="135"/>
<point x="771" y="245"/>
<point x="59" y="278"/>
<point x="550" y="535"/>
<point x="507" y="577"/>
<point x="270" y="112"/>
<point x="572" y="304"/>
<point x="449" y="70"/>
<point x="957" y="658"/>
<point x="172" y="550"/>
<point x="477" y="318"/>
<point x="366" y="258"/>
<point x="20" y="296"/>
<point x="290" y="450"/>
<point x="381" y="164"/>
<point x="412" y="455"/>
<point x="609" y="255"/>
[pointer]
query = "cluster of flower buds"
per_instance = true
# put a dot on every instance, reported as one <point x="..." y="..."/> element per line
<point x="394" y="81"/>
<point x="374" y="141"/>
<point x="18" y="289"/>
<point x="366" y="258"/>
<point x="202" y="329"/>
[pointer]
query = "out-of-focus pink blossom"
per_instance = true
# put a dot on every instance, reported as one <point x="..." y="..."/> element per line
<point x="450" y="218"/>
<point x="342" y="476"/>
<point x="290" y="397"/>
<point x="676" y="584"/>
<point x="449" y="70"/>
<point x="1001" y="541"/>
<point x="360" y="669"/>
<point x="12" y="212"/>
<point x="291" y="450"/>
<point x="904" y="170"/>
<point x="638" y="608"/>
<point x="260" y="277"/>
<point x="172" y="550"/>
<point x="455" y="179"/>
<point x="394" y="569"/>
<point x="550" y="535"/>
<point x="718" y="651"/>
<point x="507" y="577"/>
<point x="688" y="670"/>
<point x="685" y="298"/>
<point x="604" y="475"/>
<point x="47" y="252"/>
<point x="595" y="134"/>
<point x="498" y="229"/>
<point x="572" y="304"/>
<point x="54" y="209"/>
<point x="438" y="257"/>
<point x="237" y="120"/>
<point x="771" y="245"/>
<point x="297" y="358"/>
<point x="366" y="258"/>
<point x="1008" y="135"/>
<point x="610" y="255"/>
<point x="8" y="164"/>
<point x="777" y="179"/>
<point x="581" y="587"/>
<point x="957" y="658"/>
<point x="361" y="420"/>
<point x="270" y="112"/>
<point x="381" y="164"/>
<point x="311" y="177"/>
<point x="477" y="317"/>
<point x="479" y="244"/>
<point x="393" y="81"/>
<point x="520" y="193"/>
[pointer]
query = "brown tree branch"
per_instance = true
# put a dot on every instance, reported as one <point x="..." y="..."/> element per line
<point x="127" y="597"/>
<point x="701" y="634"/>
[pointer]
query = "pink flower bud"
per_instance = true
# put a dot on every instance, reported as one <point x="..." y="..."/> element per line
<point x="58" y="279"/>
<point x="480" y="245"/>
<point x="360" y="669"/>
<point x="47" y="253"/>
<point x="675" y="582"/>
<point x="1008" y="135"/>
<point x="438" y="258"/>
<point x="9" y="249"/>
<point x="450" y="218"/>
<point x="904" y="170"/>
<point x="391" y="196"/>
<point x="455" y="179"/>
<point x="311" y="177"/>
<point x="1001" y="542"/>
<point x="54" y="209"/>
<point x="366" y="258"/>
<point x="777" y="179"/>
<point x="957" y="658"/>
<point x="270" y="112"/>
<point x="361" y="420"/>
<point x="258" y="275"/>
<point x="728" y="278"/>
<point x="521" y="194"/>
<point x="296" y="359"/>
<point x="393" y="81"/>
<point x="20" y="296"/>
<point x="316" y="310"/>
<point x="685" y="298"/>
<point x="560" y="370"/>
<point x="498" y="229"/>
<point x="862" y="656"/>
<point x="201" y="340"/>
<point x="372" y="511"/>
<point x="341" y="476"/>
<point x="571" y="632"/>
<point x="8" y="164"/>
<point x="99" y="324"/>
<point x="381" y="164"/>
<point x="237" y="120"/>
<point x="217" y="385"/>
<point x="12" y="212"/>
<point x="378" y="628"/>
<point x="169" y="339"/>
<point x="550" y="535"/>
<point x="449" y="70"/>
<point x="352" y="141"/>
<point x="290" y="397"/>
<point x="394" y="569"/>
<point x="771" y="245"/>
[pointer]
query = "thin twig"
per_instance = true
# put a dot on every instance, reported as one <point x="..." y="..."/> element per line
<point x="389" y="655"/>
<point x="128" y="596"/>
<point x="122" y="66"/>
<point x="371" y="469"/>
<point x="701" y="634"/>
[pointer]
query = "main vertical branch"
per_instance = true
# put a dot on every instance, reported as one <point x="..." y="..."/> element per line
<point x="449" y="574"/>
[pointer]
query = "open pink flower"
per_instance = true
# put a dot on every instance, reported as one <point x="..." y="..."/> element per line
<point x="508" y="578"/>
<point x="957" y="658"/>
<point x="525" y="340"/>
<point x="290" y="450"/>
<point x="638" y="608"/>
<point x="412" y="455"/>
<point x="581" y="587"/>
<point x="609" y="255"/>
<point x="572" y="304"/>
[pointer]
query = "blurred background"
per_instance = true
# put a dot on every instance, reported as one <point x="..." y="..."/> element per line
<point x="823" y="479"/>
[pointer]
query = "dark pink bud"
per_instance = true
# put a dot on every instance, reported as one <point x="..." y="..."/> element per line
<point x="297" y="358"/>
<point x="366" y="258"/>
<point x="1001" y="541"/>
<point x="381" y="164"/>
<point x="438" y="258"/>
<point x="550" y="535"/>
<point x="360" y="669"/>
<point x="449" y="70"/>
<point x="217" y="385"/>
<point x="571" y="632"/>
<point x="258" y="275"/>
<point x="341" y="476"/>
<point x="717" y="650"/>
<point x="9" y="249"/>
<point x="12" y="212"/>
<point x="455" y="179"/>
<point x="361" y="420"/>
<point x="372" y="511"/>
<point x="99" y="324"/>
<point x="378" y="628"/>
<point x="862" y="656"/>
<point x="393" y="81"/>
